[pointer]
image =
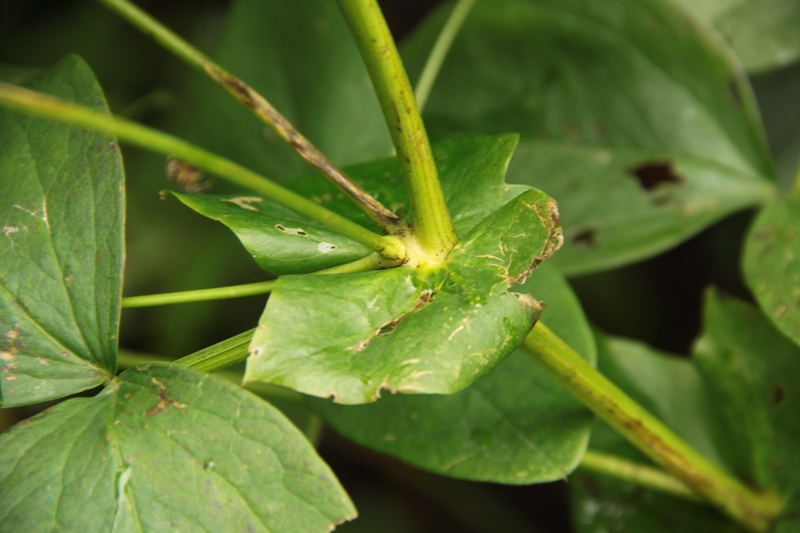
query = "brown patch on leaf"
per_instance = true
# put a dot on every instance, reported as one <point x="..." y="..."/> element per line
<point x="586" y="238"/>
<point x="163" y="400"/>
<point x="778" y="395"/>
<point x="186" y="176"/>
<point x="655" y="174"/>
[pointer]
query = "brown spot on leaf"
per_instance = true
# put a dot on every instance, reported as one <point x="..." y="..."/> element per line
<point x="164" y="401"/>
<point x="778" y="395"/>
<point x="654" y="174"/>
<point x="585" y="238"/>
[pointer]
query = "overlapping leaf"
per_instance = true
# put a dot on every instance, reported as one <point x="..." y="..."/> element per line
<point x="300" y="55"/>
<point x="280" y="240"/>
<point x="61" y="252"/>
<point x="763" y="33"/>
<point x="165" y="449"/>
<point x="515" y="425"/>
<point x="407" y="329"/>
<point x="772" y="264"/>
<point x="632" y="116"/>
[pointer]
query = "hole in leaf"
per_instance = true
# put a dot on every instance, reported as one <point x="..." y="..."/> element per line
<point x="655" y="174"/>
<point x="585" y="239"/>
<point x="291" y="231"/>
<point x="387" y="327"/>
<point x="778" y="395"/>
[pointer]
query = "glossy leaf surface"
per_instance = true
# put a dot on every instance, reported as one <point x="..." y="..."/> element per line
<point x="426" y="330"/>
<point x="515" y="425"/>
<point x="633" y="117"/>
<point x="62" y="250"/>
<point x="165" y="449"/>
<point x="771" y="264"/>
<point x="280" y="240"/>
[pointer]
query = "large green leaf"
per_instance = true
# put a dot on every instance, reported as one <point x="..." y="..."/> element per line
<point x="771" y="264"/>
<point x="165" y="448"/>
<point x="753" y="372"/>
<point x="420" y="330"/>
<point x="632" y="116"/>
<point x="300" y="55"/>
<point x="515" y="425"/>
<point x="280" y="240"/>
<point x="763" y="33"/>
<point x="671" y="388"/>
<point x="62" y="251"/>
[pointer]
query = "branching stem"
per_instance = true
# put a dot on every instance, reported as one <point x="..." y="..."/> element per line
<point x="752" y="509"/>
<point x="259" y="106"/>
<point x="56" y="109"/>
<point x="432" y="223"/>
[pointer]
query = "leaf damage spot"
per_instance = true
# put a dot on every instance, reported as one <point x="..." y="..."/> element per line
<point x="325" y="247"/>
<point x="244" y="202"/>
<point x="586" y="238"/>
<point x="778" y="395"/>
<point x="300" y="232"/>
<point x="186" y="176"/>
<point x="654" y="174"/>
<point x="163" y="400"/>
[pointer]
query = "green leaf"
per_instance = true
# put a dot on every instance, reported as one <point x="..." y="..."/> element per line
<point x="62" y="251"/>
<point x="415" y="330"/>
<point x="515" y="425"/>
<point x="280" y="240"/>
<point x="301" y="57"/>
<point x="165" y="449"/>
<point x="753" y="372"/>
<point x="763" y="33"/>
<point x="671" y="388"/>
<point x="632" y="116"/>
<point x="771" y="264"/>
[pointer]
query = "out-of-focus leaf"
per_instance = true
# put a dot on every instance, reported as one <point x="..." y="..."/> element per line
<point x="165" y="449"/>
<point x="764" y="33"/>
<point x="515" y="425"/>
<point x="632" y="116"/>
<point x="415" y="330"/>
<point x="777" y="97"/>
<point x="62" y="250"/>
<point x="280" y="240"/>
<point x="671" y="388"/>
<point x="300" y="55"/>
<point x="753" y="373"/>
<point x="771" y="264"/>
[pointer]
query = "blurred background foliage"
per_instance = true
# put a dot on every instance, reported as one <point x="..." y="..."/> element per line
<point x="169" y="248"/>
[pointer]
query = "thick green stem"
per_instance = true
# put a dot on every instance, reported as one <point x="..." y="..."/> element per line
<point x="258" y="105"/>
<point x="59" y="110"/>
<point x="640" y="474"/>
<point x="220" y="355"/>
<point x="440" y="49"/>
<point x="432" y="223"/>
<point x="754" y="510"/>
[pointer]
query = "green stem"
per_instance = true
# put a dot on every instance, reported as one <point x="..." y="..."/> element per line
<point x="432" y="224"/>
<point x="640" y="474"/>
<point x="200" y="295"/>
<point x="56" y="109"/>
<point x="440" y="50"/>
<point x="648" y="434"/>
<point x="220" y="355"/>
<point x="370" y="262"/>
<point x="258" y="105"/>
